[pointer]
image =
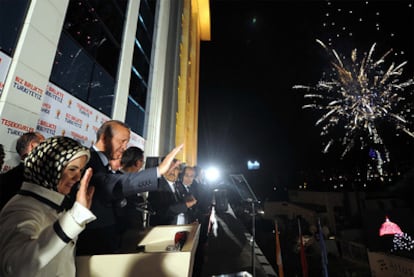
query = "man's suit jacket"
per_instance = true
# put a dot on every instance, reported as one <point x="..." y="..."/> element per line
<point x="166" y="204"/>
<point x="188" y="192"/>
<point x="10" y="183"/>
<point x="102" y="235"/>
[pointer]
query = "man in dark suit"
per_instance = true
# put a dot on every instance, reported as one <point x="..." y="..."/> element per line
<point x="102" y="236"/>
<point x="133" y="212"/>
<point x="169" y="203"/>
<point x="11" y="181"/>
<point x="188" y="188"/>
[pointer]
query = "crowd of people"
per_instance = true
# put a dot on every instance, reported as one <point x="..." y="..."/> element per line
<point x="64" y="199"/>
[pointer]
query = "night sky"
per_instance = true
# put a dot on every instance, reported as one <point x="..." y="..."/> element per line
<point x="258" y="51"/>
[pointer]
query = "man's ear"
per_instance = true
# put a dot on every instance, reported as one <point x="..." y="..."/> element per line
<point x="32" y="145"/>
<point x="137" y="163"/>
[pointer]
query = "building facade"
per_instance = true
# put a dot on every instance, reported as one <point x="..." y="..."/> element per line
<point x="68" y="66"/>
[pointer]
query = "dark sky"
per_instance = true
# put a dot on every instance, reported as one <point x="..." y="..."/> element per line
<point x="258" y="51"/>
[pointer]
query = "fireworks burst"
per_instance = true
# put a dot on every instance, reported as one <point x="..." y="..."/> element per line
<point x="357" y="99"/>
<point x="402" y="241"/>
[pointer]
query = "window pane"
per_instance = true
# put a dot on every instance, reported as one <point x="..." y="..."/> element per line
<point x="72" y="69"/>
<point x="143" y="40"/>
<point x="102" y="91"/>
<point x="111" y="16"/>
<point x="138" y="90"/>
<point x="141" y="64"/>
<point x="97" y="27"/>
<point x="147" y="14"/>
<point x="12" y="16"/>
<point x="135" y="117"/>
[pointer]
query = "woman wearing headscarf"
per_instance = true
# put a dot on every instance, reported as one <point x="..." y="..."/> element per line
<point x="37" y="233"/>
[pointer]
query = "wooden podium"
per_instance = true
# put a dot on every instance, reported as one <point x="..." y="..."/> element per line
<point x="154" y="260"/>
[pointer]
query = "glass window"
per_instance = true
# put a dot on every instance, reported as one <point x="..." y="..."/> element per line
<point x="72" y="68"/>
<point x="141" y="64"/>
<point x="76" y="72"/>
<point x="97" y="26"/>
<point x="111" y="17"/>
<point x="12" y="16"/>
<point x="143" y="40"/>
<point x="146" y="12"/>
<point x="135" y="116"/>
<point x="87" y="59"/>
<point x="101" y="93"/>
<point x="122" y="4"/>
<point x="138" y="87"/>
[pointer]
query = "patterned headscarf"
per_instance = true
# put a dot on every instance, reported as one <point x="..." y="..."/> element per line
<point x="45" y="163"/>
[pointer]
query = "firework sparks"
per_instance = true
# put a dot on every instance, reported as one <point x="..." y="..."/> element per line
<point x="356" y="98"/>
<point x="402" y="241"/>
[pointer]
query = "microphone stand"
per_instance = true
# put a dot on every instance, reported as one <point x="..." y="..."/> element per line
<point x="253" y="239"/>
<point x="247" y="195"/>
<point x="143" y="208"/>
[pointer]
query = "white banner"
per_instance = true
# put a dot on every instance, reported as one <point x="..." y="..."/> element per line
<point x="64" y="114"/>
<point x="5" y="62"/>
<point x="61" y="114"/>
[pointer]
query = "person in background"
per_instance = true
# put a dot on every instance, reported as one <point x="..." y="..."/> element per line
<point x="131" y="217"/>
<point x="37" y="231"/>
<point x="2" y="155"/>
<point x="205" y="193"/>
<point x="195" y="175"/>
<point x="188" y="189"/>
<point x="132" y="160"/>
<point x="187" y="178"/>
<point x="11" y="180"/>
<point x="103" y="236"/>
<point x="199" y="175"/>
<point x="170" y="207"/>
<point x="125" y="210"/>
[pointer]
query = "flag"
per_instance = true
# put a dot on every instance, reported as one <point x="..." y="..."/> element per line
<point x="278" y="252"/>
<point x="212" y="224"/>
<point x="303" y="260"/>
<point x="324" y="254"/>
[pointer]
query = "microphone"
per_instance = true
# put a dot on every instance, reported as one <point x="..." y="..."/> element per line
<point x="180" y="238"/>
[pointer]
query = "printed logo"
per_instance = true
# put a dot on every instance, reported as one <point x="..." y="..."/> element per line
<point x="80" y="138"/>
<point x="46" y="107"/>
<point x="46" y="127"/>
<point x="73" y="120"/>
<point x="84" y="110"/>
<point x="55" y="94"/>
<point x="15" y="128"/>
<point x="27" y="88"/>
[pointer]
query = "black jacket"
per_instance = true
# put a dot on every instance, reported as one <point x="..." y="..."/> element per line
<point x="102" y="235"/>
<point x="166" y="204"/>
<point x="10" y="183"/>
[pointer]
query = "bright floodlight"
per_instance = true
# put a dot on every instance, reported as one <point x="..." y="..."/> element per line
<point x="212" y="174"/>
<point x="253" y="165"/>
